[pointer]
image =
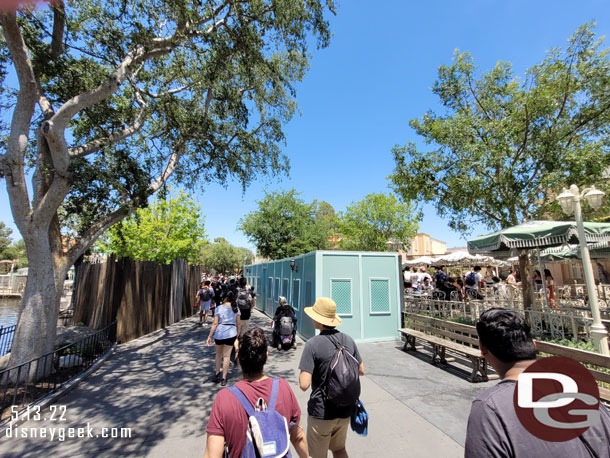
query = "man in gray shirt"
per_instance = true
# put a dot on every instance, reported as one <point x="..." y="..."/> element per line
<point x="494" y="430"/>
<point x="326" y="423"/>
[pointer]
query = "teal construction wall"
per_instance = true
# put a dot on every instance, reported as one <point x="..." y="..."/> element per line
<point x="365" y="286"/>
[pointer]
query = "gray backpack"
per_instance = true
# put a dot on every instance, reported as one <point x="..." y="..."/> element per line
<point x="285" y="326"/>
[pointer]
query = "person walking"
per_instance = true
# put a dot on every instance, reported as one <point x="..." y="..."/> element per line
<point x="243" y="297"/>
<point x="205" y="294"/>
<point x="550" y="284"/>
<point x="473" y="283"/>
<point x="228" y="422"/>
<point x="225" y="330"/>
<point x="327" y="423"/>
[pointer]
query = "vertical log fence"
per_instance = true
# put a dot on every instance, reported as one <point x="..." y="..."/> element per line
<point x="141" y="296"/>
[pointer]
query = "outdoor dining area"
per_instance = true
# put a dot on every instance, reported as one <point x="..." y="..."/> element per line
<point x="566" y="308"/>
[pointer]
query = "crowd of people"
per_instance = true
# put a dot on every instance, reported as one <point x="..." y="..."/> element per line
<point x="473" y="284"/>
<point x="230" y="430"/>
<point x="260" y="416"/>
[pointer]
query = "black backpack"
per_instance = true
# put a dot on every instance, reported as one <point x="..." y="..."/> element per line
<point x="205" y="294"/>
<point x="343" y="377"/>
<point x="244" y="300"/>
<point x="441" y="277"/>
<point x="471" y="278"/>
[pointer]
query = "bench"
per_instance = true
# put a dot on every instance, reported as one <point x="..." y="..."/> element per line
<point x="442" y="335"/>
<point x="429" y="328"/>
<point x="583" y="357"/>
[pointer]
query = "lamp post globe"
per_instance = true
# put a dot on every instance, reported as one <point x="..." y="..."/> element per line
<point x="595" y="197"/>
<point x="570" y="203"/>
<point x="566" y="200"/>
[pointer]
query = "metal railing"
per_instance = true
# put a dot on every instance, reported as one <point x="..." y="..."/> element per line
<point x="25" y="384"/>
<point x="556" y="323"/>
<point x="6" y="338"/>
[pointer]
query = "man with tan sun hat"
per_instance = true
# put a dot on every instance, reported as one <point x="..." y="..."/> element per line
<point x="327" y="424"/>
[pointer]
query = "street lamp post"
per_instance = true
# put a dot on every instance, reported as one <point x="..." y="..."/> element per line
<point x="570" y="203"/>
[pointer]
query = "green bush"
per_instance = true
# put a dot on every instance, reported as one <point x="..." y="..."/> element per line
<point x="579" y="345"/>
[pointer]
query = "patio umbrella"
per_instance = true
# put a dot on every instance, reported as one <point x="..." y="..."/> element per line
<point x="536" y="234"/>
<point x="465" y="259"/>
<point x="427" y="260"/>
<point x="571" y="252"/>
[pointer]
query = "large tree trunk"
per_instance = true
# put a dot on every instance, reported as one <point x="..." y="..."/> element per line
<point x="37" y="325"/>
<point x="526" y="279"/>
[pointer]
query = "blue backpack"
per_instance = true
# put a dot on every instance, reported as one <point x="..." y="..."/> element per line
<point x="267" y="434"/>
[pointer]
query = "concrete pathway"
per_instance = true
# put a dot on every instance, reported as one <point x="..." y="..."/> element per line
<point x="159" y="387"/>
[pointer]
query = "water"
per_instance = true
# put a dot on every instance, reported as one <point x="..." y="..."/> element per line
<point x="9" y="310"/>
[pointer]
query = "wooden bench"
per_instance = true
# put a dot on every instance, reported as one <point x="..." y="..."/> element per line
<point x="442" y="335"/>
<point x="429" y="329"/>
<point x="584" y="357"/>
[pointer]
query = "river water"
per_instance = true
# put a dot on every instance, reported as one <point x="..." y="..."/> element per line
<point x="9" y="310"/>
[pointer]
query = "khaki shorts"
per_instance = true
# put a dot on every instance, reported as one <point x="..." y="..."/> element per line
<point x="325" y="435"/>
<point x="245" y="324"/>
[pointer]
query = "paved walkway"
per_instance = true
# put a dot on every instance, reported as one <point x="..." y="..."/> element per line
<point x="158" y="386"/>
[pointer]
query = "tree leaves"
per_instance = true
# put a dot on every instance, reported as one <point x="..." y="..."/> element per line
<point x="503" y="147"/>
<point x="284" y="226"/>
<point x="223" y="257"/>
<point x="166" y="230"/>
<point x="376" y="223"/>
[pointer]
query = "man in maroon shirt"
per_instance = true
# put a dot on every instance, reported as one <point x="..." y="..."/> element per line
<point x="228" y="420"/>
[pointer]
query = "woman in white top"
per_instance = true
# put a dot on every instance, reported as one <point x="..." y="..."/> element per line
<point x="225" y="331"/>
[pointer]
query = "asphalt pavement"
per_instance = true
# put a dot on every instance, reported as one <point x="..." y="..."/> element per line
<point x="158" y="389"/>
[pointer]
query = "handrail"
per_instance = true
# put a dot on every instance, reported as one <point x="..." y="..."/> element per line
<point x="6" y="338"/>
<point x="26" y="383"/>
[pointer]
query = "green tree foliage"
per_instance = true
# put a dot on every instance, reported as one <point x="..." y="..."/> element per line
<point x="168" y="229"/>
<point x="284" y="225"/>
<point x="245" y="256"/>
<point x="325" y="213"/>
<point x="114" y="98"/>
<point x="369" y="224"/>
<point x="9" y="250"/>
<point x="502" y="148"/>
<point x="5" y="237"/>
<point x="16" y="251"/>
<point x="134" y="92"/>
<point x="223" y="257"/>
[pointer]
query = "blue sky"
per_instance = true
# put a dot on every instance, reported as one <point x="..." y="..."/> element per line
<point x="361" y="91"/>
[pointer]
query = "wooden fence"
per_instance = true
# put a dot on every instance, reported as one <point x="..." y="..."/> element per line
<point x="142" y="296"/>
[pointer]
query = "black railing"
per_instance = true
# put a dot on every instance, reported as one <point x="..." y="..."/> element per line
<point x="6" y="338"/>
<point x="23" y="385"/>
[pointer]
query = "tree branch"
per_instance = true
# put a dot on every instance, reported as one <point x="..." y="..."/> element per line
<point x="169" y="92"/>
<point x="95" y="145"/>
<point x="13" y="159"/>
<point x="525" y="138"/>
<point x="88" y="238"/>
<point x="172" y="163"/>
<point x="477" y="100"/>
<point x="59" y="23"/>
<point x="111" y="85"/>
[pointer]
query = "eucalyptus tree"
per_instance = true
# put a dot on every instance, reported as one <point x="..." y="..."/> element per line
<point x="501" y="148"/>
<point x="108" y="100"/>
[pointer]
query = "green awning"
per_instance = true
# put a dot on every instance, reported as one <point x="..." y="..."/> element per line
<point x="571" y="252"/>
<point x="537" y="234"/>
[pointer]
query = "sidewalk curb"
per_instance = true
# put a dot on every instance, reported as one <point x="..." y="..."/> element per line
<point x="54" y="396"/>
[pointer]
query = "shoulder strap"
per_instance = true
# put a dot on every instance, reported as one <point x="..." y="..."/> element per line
<point x="242" y="399"/>
<point x="335" y="341"/>
<point x="275" y="385"/>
